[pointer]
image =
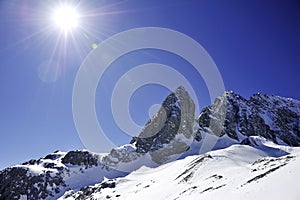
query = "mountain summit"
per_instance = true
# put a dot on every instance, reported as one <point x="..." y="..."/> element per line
<point x="272" y="117"/>
<point x="170" y="131"/>
<point x="253" y="130"/>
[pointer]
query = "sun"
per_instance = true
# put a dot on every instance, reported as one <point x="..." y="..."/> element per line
<point x="66" y="17"/>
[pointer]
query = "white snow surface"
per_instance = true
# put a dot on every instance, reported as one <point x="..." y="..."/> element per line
<point x="265" y="171"/>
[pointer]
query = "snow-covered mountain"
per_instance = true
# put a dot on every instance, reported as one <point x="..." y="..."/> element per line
<point x="236" y="148"/>
<point x="263" y="171"/>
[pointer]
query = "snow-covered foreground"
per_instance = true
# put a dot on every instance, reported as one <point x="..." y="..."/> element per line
<point x="265" y="171"/>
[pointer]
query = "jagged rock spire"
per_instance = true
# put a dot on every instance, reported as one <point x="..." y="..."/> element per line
<point x="175" y="117"/>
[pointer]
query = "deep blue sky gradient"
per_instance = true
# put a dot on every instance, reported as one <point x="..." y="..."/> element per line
<point x="255" y="44"/>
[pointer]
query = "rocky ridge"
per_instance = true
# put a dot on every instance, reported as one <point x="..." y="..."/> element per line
<point x="272" y="117"/>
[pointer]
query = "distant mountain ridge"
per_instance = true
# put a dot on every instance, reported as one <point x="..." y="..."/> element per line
<point x="171" y="134"/>
<point x="272" y="117"/>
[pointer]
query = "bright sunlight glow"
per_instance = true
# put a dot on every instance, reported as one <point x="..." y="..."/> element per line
<point x="66" y="17"/>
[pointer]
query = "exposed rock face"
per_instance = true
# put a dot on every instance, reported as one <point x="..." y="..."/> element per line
<point x="45" y="177"/>
<point x="20" y="180"/>
<point x="123" y="154"/>
<point x="80" y="158"/>
<point x="172" y="125"/>
<point x="272" y="117"/>
<point x="83" y="193"/>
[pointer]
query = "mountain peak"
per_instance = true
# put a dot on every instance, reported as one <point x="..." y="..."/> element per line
<point x="273" y="117"/>
<point x="169" y="125"/>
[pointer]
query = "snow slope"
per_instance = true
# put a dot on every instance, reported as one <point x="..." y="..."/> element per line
<point x="238" y="172"/>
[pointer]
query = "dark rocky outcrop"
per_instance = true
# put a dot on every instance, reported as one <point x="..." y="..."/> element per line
<point x="161" y="129"/>
<point x="18" y="181"/>
<point x="85" y="192"/>
<point x="174" y="118"/>
<point x="43" y="178"/>
<point x="80" y="158"/>
<point x="272" y="117"/>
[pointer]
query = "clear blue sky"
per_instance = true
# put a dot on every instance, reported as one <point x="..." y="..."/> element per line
<point x="255" y="44"/>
